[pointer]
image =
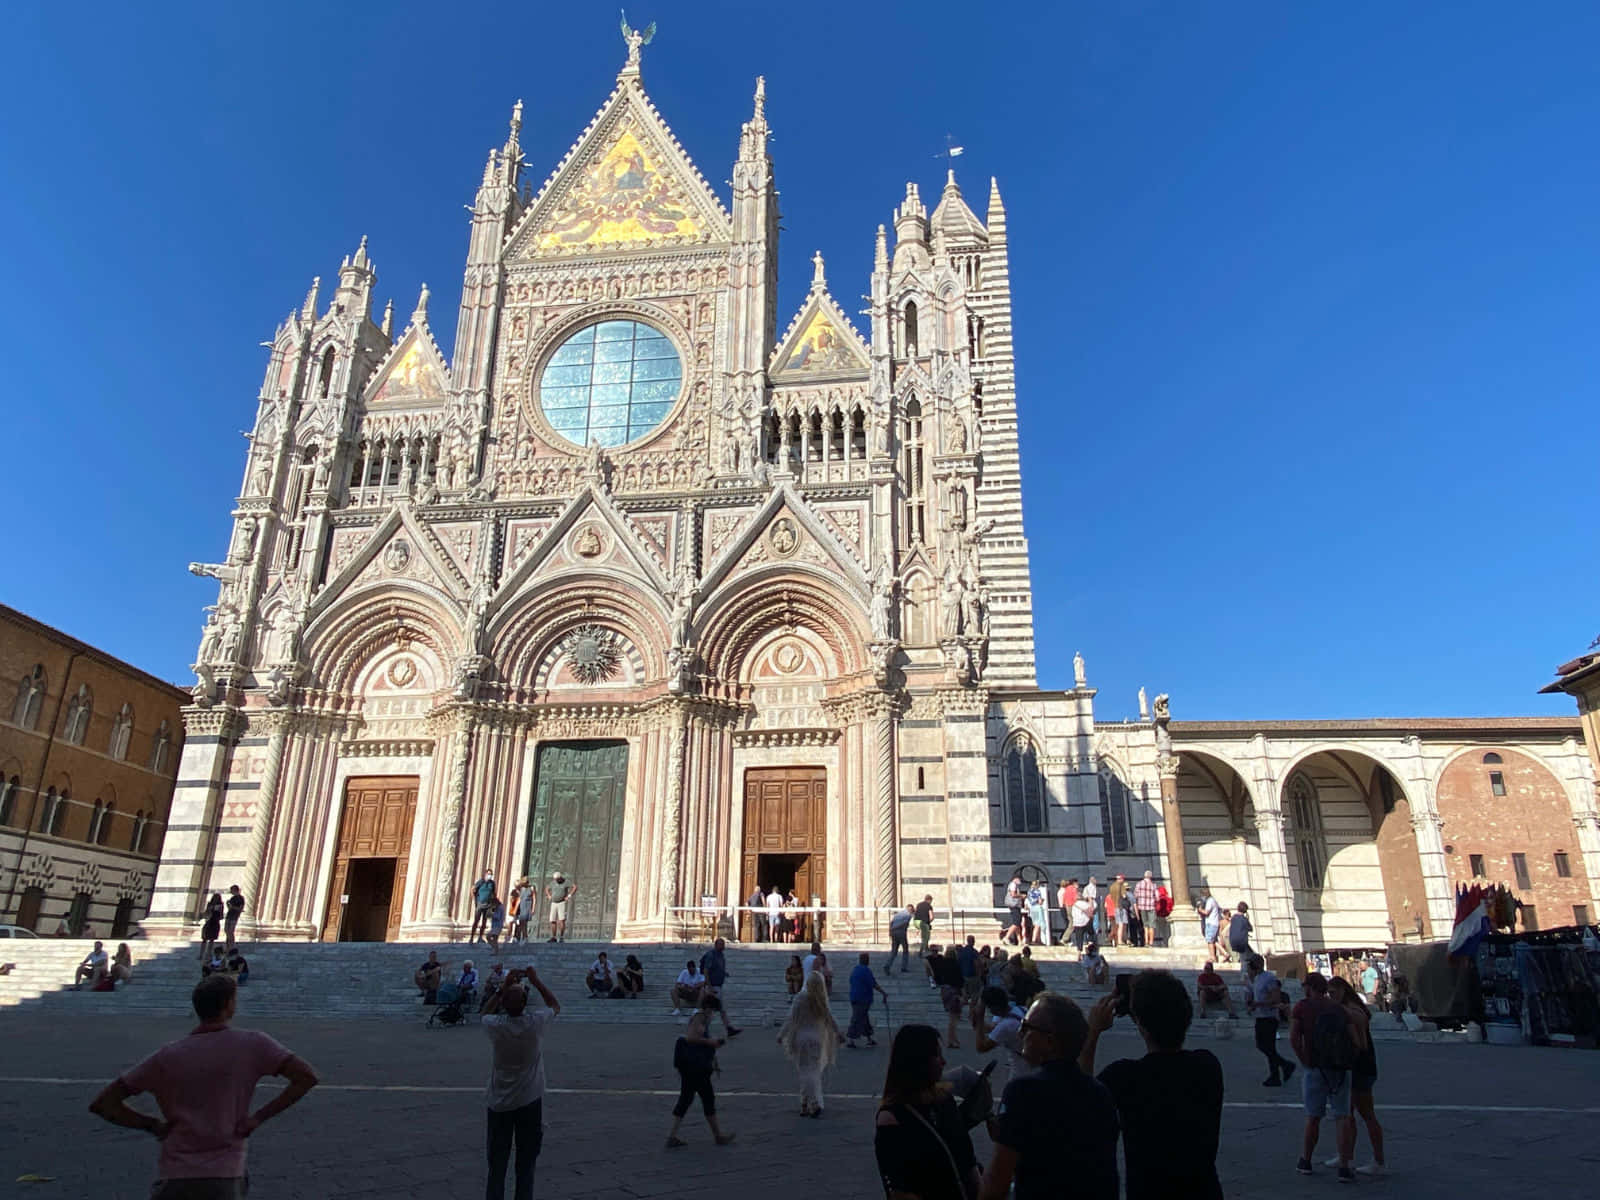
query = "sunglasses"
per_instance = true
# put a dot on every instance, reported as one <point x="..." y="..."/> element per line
<point x="1028" y="1026"/>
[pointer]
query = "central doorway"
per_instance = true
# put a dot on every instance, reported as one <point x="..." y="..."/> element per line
<point x="367" y="893"/>
<point x="786" y="836"/>
<point x="579" y="792"/>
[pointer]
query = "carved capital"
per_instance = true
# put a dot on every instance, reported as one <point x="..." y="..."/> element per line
<point x="1167" y="765"/>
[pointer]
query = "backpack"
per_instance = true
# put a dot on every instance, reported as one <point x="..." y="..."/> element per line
<point x="1332" y="1047"/>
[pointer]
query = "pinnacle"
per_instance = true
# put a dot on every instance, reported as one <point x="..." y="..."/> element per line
<point x="818" y="280"/>
<point x="421" y="314"/>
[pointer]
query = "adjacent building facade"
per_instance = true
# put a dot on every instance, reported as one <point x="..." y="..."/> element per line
<point x="651" y="588"/>
<point x="89" y="751"/>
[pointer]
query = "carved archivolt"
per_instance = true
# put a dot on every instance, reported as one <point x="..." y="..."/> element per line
<point x="341" y="641"/>
<point x="753" y="607"/>
<point x="531" y="627"/>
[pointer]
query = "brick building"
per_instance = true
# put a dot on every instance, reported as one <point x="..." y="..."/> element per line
<point x="89" y="750"/>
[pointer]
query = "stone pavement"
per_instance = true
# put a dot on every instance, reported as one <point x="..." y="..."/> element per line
<point x="400" y="1114"/>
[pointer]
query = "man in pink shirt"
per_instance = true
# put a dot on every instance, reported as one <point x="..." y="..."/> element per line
<point x="203" y="1084"/>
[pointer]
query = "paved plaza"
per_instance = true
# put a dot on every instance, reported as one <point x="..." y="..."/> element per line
<point x="400" y="1114"/>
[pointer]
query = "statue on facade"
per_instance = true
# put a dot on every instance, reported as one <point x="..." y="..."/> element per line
<point x="950" y="602"/>
<point x="1144" y="706"/>
<point x="279" y="684"/>
<point x="971" y="607"/>
<point x="956" y="443"/>
<point x="1080" y="677"/>
<point x="959" y="659"/>
<point x="204" y="692"/>
<point x="682" y="593"/>
<point x="882" y="606"/>
<point x="244" y="542"/>
<point x="635" y="39"/>
<point x="594" y="463"/>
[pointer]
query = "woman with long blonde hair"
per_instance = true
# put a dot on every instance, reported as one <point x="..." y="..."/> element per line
<point x="810" y="1039"/>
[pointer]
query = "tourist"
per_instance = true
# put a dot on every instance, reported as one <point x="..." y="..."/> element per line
<point x="793" y="925"/>
<point x="1145" y="899"/>
<point x="714" y="966"/>
<point x="1025" y="983"/>
<point x="921" y="1141"/>
<point x="1370" y="979"/>
<point x="688" y="991"/>
<point x="862" y="985"/>
<point x="1096" y="971"/>
<point x="1011" y="931"/>
<point x="967" y="960"/>
<point x="1091" y="892"/>
<point x="1038" y="915"/>
<point x="467" y="984"/>
<point x="774" y="913"/>
<point x="899" y="939"/>
<point x="215" y="964"/>
<point x="1056" y="1128"/>
<point x="513" y="908"/>
<point x="1239" y="930"/>
<point x="818" y="961"/>
<point x="1163" y="929"/>
<point x="203" y="1083"/>
<point x="559" y="892"/>
<point x="1066" y="897"/>
<point x="1210" y="914"/>
<point x="996" y="973"/>
<point x="630" y="977"/>
<point x="122" y="965"/>
<point x="1117" y="909"/>
<point x="491" y="985"/>
<point x="527" y="905"/>
<point x="235" y="907"/>
<point x="757" y="903"/>
<point x="515" y="1094"/>
<point x="809" y="1038"/>
<point x="1265" y="1002"/>
<point x="482" y="902"/>
<point x="428" y="977"/>
<point x="1211" y="989"/>
<point x="497" y="922"/>
<point x="695" y="1058"/>
<point x="794" y="975"/>
<point x="1322" y="1035"/>
<point x="946" y="975"/>
<point x="236" y="966"/>
<point x="211" y="927"/>
<point x="1082" y="918"/>
<point x="91" y="968"/>
<point x="62" y="928"/>
<point x="1169" y="1101"/>
<point x="1004" y="1020"/>
<point x="924" y="915"/>
<point x="1362" y="1076"/>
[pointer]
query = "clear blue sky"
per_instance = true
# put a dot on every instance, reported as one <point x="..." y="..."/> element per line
<point x="1306" y="295"/>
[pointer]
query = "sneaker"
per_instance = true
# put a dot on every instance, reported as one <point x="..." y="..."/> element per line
<point x="1303" y="1166"/>
<point x="1288" y="1071"/>
<point x="676" y="1143"/>
<point x="1332" y="1162"/>
<point x="1346" y="1175"/>
<point x="677" y="1012"/>
<point x="726" y="1138"/>
<point x="1372" y="1168"/>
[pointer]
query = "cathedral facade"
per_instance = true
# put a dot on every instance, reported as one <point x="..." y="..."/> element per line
<point x="653" y="589"/>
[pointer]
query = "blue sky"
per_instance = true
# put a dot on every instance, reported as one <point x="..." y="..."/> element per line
<point x="1305" y="294"/>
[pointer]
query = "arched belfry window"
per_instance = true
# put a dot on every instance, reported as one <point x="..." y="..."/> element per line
<point x="78" y="714"/>
<point x="160" y="748"/>
<point x="1023" y="787"/>
<point x="325" y="376"/>
<point x="915" y="483"/>
<point x="911" y="328"/>
<point x="1310" y="843"/>
<point x="121" y="732"/>
<point x="30" y="698"/>
<point x="1115" y="819"/>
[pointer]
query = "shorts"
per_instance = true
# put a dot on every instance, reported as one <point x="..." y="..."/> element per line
<point x="1122" y="916"/>
<point x="558" y="910"/>
<point x="1324" y="1090"/>
<point x="1361" y="1083"/>
<point x="951" y="999"/>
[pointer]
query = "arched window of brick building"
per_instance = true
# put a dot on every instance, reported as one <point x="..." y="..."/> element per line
<point x="78" y="713"/>
<point x="1311" y="846"/>
<point x="137" y="835"/>
<point x="103" y="834"/>
<point x="9" y="789"/>
<point x="160" y="747"/>
<point x="30" y="698"/>
<point x="121" y="732"/>
<point x="94" y="821"/>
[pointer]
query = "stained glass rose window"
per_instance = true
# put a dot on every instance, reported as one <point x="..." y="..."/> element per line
<point x="610" y="382"/>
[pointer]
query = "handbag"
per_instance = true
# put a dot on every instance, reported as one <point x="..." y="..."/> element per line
<point x="961" y="1183"/>
<point x="693" y="1058"/>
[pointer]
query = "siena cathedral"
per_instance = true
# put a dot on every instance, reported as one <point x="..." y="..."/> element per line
<point x="650" y="588"/>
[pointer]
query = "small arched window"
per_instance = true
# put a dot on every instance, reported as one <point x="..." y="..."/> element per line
<point x="1492" y="759"/>
<point x="160" y="746"/>
<point x="911" y="328"/>
<point x="9" y="788"/>
<point x="136" y="835"/>
<point x="58" y="818"/>
<point x="47" y="809"/>
<point x="30" y="698"/>
<point x="78" y="714"/>
<point x="1311" y="847"/>
<point x="325" y="377"/>
<point x="1023" y="786"/>
<point x="1115" y="822"/>
<point x="103" y="834"/>
<point x="95" y="818"/>
<point x="121" y="732"/>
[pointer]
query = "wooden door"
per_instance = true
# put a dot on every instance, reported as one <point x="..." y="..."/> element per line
<point x="786" y="812"/>
<point x="579" y="793"/>
<point x="376" y="823"/>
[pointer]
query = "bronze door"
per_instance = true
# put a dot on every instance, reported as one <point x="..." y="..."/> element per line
<point x="375" y="824"/>
<point x="579" y="792"/>
<point x="786" y="822"/>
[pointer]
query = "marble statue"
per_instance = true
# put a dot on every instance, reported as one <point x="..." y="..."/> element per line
<point x="1079" y="676"/>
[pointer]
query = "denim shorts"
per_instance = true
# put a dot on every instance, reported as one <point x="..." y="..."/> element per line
<point x="1324" y="1090"/>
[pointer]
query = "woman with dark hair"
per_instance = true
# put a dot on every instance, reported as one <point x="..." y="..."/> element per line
<point x="1365" y="1074"/>
<point x="695" y="1058"/>
<point x="921" y="1143"/>
<point x="212" y="929"/>
<point x="631" y="977"/>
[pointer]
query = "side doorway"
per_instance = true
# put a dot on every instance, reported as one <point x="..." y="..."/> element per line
<point x="367" y="893"/>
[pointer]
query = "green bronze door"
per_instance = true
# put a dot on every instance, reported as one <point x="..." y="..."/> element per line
<point x="576" y="828"/>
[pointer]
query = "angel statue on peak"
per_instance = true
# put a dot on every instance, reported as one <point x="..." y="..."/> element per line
<point x="635" y="39"/>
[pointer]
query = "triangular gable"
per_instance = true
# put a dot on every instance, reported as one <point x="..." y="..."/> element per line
<point x="821" y="342"/>
<point x="413" y="373"/>
<point x="625" y="183"/>
<point x="752" y="544"/>
<point x="399" y="549"/>
<point x="589" y="509"/>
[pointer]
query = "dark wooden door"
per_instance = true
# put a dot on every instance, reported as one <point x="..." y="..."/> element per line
<point x="579" y="791"/>
<point x="376" y="823"/>
<point x="28" y="910"/>
<point x="786" y="812"/>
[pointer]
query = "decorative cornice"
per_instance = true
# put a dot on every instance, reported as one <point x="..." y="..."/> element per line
<point x="223" y="721"/>
<point x="785" y="737"/>
<point x="388" y="748"/>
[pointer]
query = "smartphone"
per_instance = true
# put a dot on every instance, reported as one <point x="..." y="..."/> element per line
<point x="1123" y="982"/>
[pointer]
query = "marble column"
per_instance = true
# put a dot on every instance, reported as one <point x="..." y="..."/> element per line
<point x="444" y="887"/>
<point x="1172" y="821"/>
<point x="1427" y="826"/>
<point x="210" y="735"/>
<point x="1280" y="892"/>
<point x="261" y="830"/>
<point x="673" y="816"/>
<point x="881" y="714"/>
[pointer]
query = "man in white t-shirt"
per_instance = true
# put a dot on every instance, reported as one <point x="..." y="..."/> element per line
<point x="91" y="968"/>
<point x="1005" y="1031"/>
<point x="774" y="912"/>
<point x="600" y="980"/>
<point x="1265" y="1003"/>
<point x="686" y="992"/>
<point x="516" y="1079"/>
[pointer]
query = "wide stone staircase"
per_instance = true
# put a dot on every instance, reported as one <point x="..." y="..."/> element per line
<point x="373" y="980"/>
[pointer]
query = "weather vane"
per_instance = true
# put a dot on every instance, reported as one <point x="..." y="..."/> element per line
<point x="635" y="39"/>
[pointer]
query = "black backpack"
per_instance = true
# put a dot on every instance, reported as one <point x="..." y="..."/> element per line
<point x="1332" y="1047"/>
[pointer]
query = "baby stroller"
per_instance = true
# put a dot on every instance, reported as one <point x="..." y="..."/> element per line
<point x="453" y="1006"/>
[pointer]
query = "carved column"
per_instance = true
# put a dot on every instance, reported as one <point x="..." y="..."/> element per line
<point x="1172" y="820"/>
<point x="261" y="830"/>
<point x="880" y="711"/>
<point x="672" y="822"/>
<point x="1427" y="827"/>
<point x="1275" y="855"/>
<point x="455" y="794"/>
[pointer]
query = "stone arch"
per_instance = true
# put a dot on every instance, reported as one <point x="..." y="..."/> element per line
<point x="341" y="642"/>
<point x="525" y="632"/>
<point x="791" y="595"/>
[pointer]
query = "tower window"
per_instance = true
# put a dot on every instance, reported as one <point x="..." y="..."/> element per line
<point x="78" y="713"/>
<point x="325" y="378"/>
<point x="1476" y="863"/>
<point x="911" y="329"/>
<point x="1497" y="783"/>
<point x="1563" y="865"/>
<point x="1491" y="759"/>
<point x="1519" y="868"/>
<point x="922" y="780"/>
<point x="8" y="799"/>
<point x="121" y="732"/>
<point x="30" y="698"/>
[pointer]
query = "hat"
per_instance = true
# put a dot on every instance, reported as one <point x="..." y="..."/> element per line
<point x="557" y="875"/>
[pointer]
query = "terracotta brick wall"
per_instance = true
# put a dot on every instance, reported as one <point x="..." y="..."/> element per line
<point x="1533" y="818"/>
